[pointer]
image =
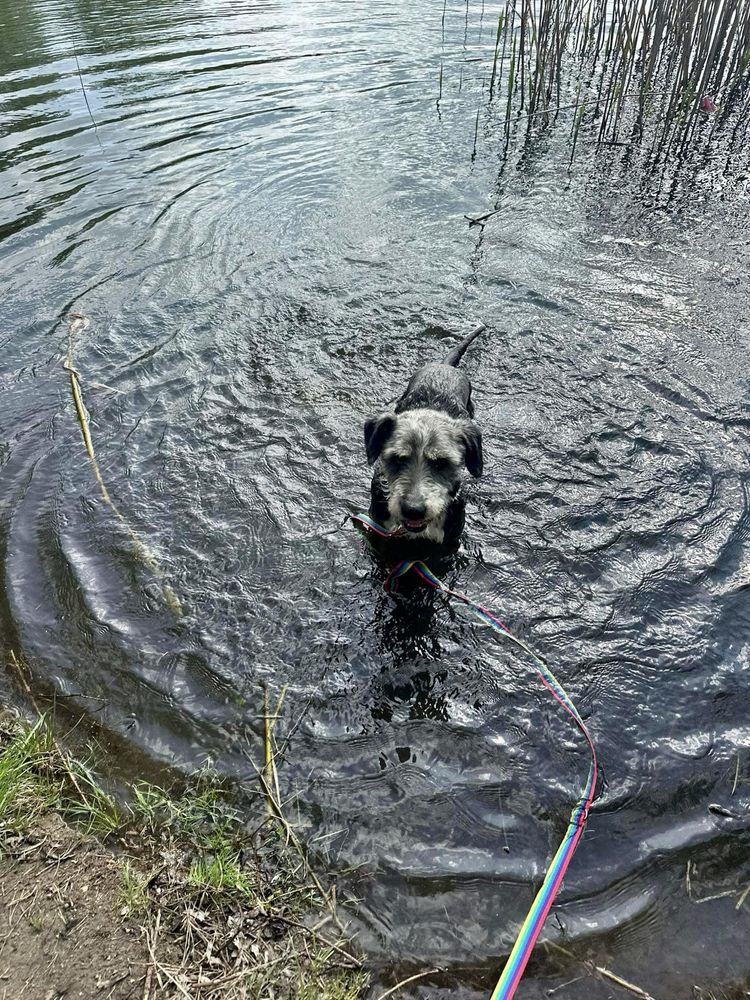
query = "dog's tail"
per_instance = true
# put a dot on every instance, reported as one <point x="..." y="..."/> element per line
<point x="454" y="356"/>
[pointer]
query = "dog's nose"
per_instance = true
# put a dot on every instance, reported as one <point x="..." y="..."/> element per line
<point x="413" y="511"/>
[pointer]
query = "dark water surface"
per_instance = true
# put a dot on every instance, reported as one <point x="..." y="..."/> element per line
<point x="266" y="232"/>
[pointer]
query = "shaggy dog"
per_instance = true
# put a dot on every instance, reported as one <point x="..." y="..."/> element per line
<point x="420" y="452"/>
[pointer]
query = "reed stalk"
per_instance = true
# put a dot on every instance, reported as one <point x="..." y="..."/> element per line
<point x="639" y="67"/>
<point x="497" y="48"/>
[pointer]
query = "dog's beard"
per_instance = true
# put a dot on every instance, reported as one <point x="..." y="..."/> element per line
<point x="434" y="519"/>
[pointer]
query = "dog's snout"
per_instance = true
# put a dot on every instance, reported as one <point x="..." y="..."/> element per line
<point x="413" y="511"/>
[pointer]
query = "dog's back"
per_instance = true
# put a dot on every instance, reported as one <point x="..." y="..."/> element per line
<point x="441" y="386"/>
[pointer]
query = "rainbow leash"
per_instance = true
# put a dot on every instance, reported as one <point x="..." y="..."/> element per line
<point x="511" y="975"/>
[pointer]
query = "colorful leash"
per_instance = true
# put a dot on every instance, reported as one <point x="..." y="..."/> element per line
<point x="511" y="975"/>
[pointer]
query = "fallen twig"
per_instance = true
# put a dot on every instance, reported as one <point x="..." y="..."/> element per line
<point x="736" y="775"/>
<point x="292" y="836"/>
<point x="604" y="972"/>
<point x="79" y="322"/>
<point x="405" y="982"/>
<point x="704" y="899"/>
<point x="147" y="984"/>
<point x="742" y="898"/>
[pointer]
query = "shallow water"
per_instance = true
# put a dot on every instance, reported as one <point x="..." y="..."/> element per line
<point x="266" y="231"/>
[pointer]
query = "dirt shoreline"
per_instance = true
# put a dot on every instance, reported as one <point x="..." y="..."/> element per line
<point x="170" y="897"/>
<point x="165" y="897"/>
<point x="62" y="928"/>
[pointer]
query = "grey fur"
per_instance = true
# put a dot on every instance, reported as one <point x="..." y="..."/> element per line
<point x="421" y="450"/>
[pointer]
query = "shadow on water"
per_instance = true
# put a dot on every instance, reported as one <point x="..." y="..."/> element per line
<point x="268" y="233"/>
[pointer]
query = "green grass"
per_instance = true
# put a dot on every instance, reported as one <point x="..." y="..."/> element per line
<point x="24" y="792"/>
<point x="133" y="893"/>
<point x="197" y="815"/>
<point x="204" y="821"/>
<point x="37" y="774"/>
<point x="311" y="983"/>
<point x="219" y="870"/>
<point x="38" y="922"/>
<point x="343" y="986"/>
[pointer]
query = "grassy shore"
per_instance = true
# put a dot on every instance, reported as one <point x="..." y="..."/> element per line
<point x="162" y="896"/>
<point x="172" y="895"/>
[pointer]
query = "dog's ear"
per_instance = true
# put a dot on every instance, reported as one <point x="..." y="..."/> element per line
<point x="377" y="432"/>
<point x="473" y="456"/>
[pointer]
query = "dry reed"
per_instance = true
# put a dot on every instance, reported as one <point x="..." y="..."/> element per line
<point x="643" y="72"/>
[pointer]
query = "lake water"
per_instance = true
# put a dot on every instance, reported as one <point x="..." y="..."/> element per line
<point x="266" y="233"/>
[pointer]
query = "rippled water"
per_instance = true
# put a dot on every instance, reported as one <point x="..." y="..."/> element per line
<point x="266" y="230"/>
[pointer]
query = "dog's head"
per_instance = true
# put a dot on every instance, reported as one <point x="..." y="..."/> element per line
<point x="422" y="455"/>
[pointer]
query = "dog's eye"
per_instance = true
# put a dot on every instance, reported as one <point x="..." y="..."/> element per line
<point x="397" y="461"/>
<point x="440" y="464"/>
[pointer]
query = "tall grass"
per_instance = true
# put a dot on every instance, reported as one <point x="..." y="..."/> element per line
<point x="37" y="774"/>
<point x="632" y="72"/>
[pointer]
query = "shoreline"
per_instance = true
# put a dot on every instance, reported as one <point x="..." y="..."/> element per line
<point x="163" y="896"/>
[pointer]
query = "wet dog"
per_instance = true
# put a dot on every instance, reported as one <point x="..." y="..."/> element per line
<point x="421" y="450"/>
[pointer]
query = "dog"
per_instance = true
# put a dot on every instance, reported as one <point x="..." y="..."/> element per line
<point x="420" y="452"/>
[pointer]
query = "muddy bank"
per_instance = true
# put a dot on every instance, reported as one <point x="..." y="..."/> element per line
<point x="61" y="924"/>
<point x="163" y="896"/>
